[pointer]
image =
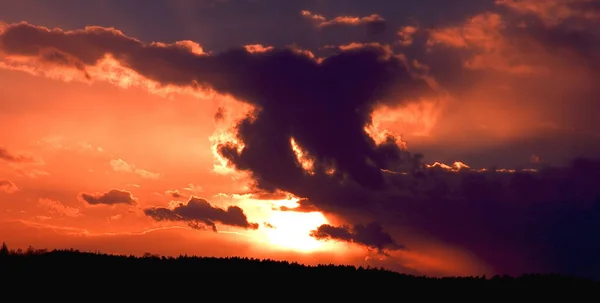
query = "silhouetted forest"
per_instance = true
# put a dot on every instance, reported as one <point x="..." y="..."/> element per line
<point x="86" y="265"/>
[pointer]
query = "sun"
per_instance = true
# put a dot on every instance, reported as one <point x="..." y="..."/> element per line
<point x="291" y="231"/>
<point x="287" y="230"/>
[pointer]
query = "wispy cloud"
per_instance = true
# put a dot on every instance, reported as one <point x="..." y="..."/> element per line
<point x="119" y="165"/>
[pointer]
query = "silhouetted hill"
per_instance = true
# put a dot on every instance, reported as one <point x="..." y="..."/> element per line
<point x="86" y="265"/>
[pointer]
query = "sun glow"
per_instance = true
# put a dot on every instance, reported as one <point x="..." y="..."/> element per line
<point x="286" y="230"/>
<point x="291" y="231"/>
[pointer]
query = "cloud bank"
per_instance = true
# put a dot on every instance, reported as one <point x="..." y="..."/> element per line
<point x="111" y="197"/>
<point x="199" y="214"/>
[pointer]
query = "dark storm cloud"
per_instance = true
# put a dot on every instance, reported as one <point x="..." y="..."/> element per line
<point x="324" y="106"/>
<point x="371" y="235"/>
<point x="337" y="95"/>
<point x="111" y="197"/>
<point x="540" y="221"/>
<point x="517" y="222"/>
<point x="198" y="213"/>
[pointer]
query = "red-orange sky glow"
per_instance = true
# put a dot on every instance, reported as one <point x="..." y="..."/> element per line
<point x="120" y="141"/>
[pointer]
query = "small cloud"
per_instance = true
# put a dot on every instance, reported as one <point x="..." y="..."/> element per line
<point x="7" y="186"/>
<point x="312" y="16"/>
<point x="257" y="48"/>
<point x="32" y="173"/>
<point x="57" y="208"/>
<point x="22" y="164"/>
<point x="147" y="174"/>
<point x="221" y="113"/>
<point x="112" y="197"/>
<point x="42" y="218"/>
<point x="374" y="22"/>
<point x="88" y="147"/>
<point x="115" y="217"/>
<point x="406" y="34"/>
<point x="200" y="214"/>
<point x="119" y="165"/>
<point x="56" y="142"/>
<point x="194" y="188"/>
<point x="371" y="235"/>
<point x="174" y="193"/>
<point x="7" y="156"/>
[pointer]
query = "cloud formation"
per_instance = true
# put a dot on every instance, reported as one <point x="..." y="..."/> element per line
<point x="111" y="197"/>
<point x="515" y="221"/>
<point x="119" y="165"/>
<point x="530" y="62"/>
<point x="371" y="235"/>
<point x="374" y="23"/>
<point x="343" y="20"/>
<point x="9" y="157"/>
<point x="556" y="12"/>
<point x="7" y="186"/>
<point x="55" y="207"/>
<point x="343" y="90"/>
<point x="198" y="213"/>
<point x="174" y="193"/>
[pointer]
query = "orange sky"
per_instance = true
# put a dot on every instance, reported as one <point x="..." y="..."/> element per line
<point x="65" y="137"/>
<point x="78" y="136"/>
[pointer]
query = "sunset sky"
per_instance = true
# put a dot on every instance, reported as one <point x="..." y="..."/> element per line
<point x="430" y="137"/>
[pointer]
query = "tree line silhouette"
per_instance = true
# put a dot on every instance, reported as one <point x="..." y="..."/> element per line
<point x="32" y="261"/>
